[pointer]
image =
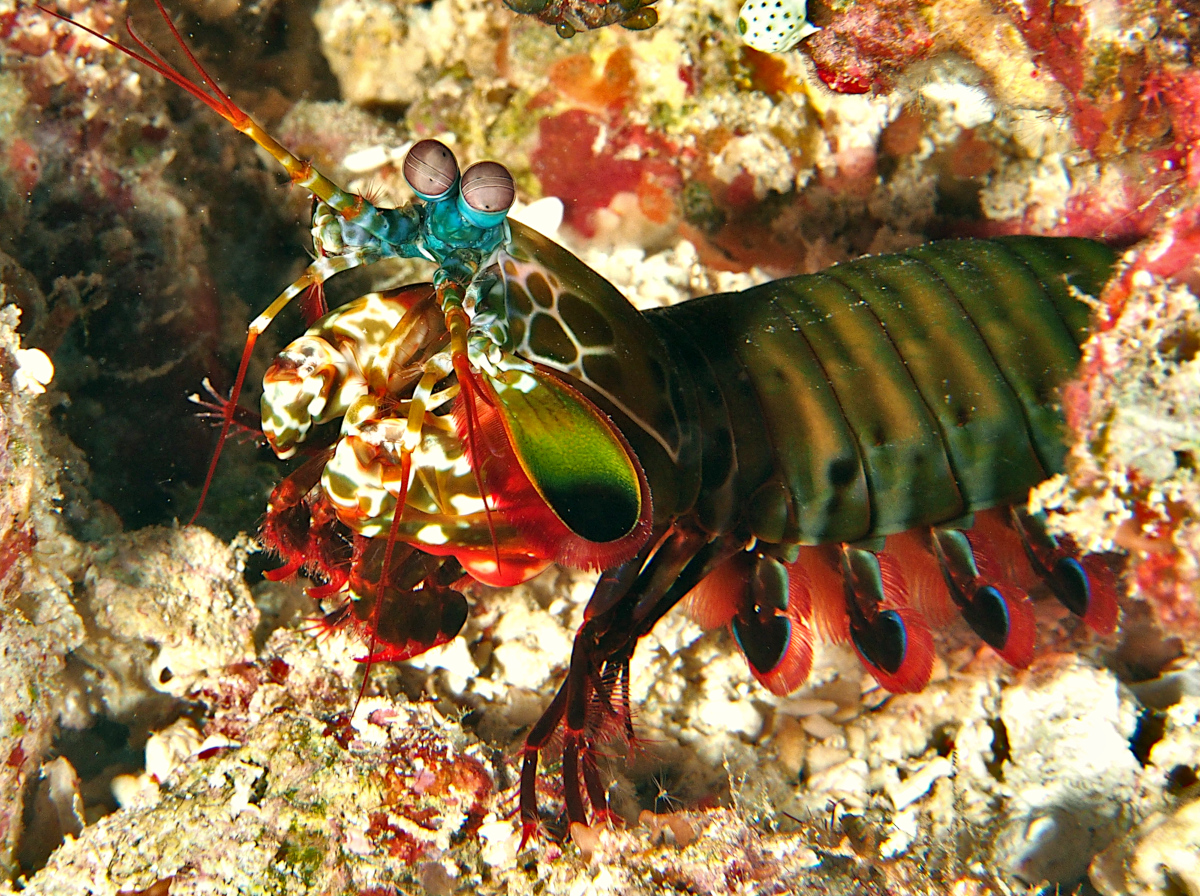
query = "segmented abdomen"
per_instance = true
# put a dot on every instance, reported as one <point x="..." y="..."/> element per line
<point x="886" y="393"/>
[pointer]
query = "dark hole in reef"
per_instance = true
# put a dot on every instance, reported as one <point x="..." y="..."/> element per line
<point x="97" y="755"/>
<point x="958" y="200"/>
<point x="1001" y="749"/>
<point x="259" y="563"/>
<point x="271" y="45"/>
<point x="942" y="740"/>
<point x="165" y="675"/>
<point x="180" y="108"/>
<point x="1182" y="346"/>
<point x="393" y="113"/>
<point x="886" y="166"/>
<point x="134" y="338"/>
<point x="660" y="792"/>
<point x="43" y="824"/>
<point x="1185" y="460"/>
<point x="1150" y="729"/>
<point x="260" y="789"/>
<point x="1145" y="650"/>
<point x="95" y="749"/>
<point x="1181" y="779"/>
<point x="273" y="30"/>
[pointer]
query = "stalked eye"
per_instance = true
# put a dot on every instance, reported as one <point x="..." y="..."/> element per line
<point x="487" y="193"/>
<point x="430" y="169"/>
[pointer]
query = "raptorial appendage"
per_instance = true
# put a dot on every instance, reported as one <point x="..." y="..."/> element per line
<point x="447" y="441"/>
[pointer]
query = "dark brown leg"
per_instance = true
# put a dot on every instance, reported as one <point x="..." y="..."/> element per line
<point x="623" y="610"/>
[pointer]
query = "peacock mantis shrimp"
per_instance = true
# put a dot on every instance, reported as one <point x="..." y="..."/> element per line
<point x="838" y="455"/>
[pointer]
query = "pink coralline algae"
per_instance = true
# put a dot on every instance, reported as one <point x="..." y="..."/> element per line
<point x="632" y="159"/>
<point x="1133" y="411"/>
<point x="865" y="45"/>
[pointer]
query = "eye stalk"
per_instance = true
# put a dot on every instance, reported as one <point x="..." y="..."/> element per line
<point x="486" y="194"/>
<point x="431" y="170"/>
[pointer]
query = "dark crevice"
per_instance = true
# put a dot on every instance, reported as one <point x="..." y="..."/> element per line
<point x="260" y="788"/>
<point x="1150" y="729"/>
<point x="1001" y="751"/>
<point x="942" y="741"/>
<point x="1181" y="779"/>
<point x="97" y="755"/>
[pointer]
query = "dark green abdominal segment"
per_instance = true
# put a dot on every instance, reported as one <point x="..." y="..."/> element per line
<point x="891" y="392"/>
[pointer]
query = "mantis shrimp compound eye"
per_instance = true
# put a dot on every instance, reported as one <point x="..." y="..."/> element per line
<point x="487" y="193"/>
<point x="430" y="169"/>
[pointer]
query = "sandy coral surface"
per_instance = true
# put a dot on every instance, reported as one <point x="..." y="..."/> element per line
<point x="170" y="723"/>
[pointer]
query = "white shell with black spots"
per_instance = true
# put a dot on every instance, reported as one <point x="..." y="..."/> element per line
<point x="773" y="26"/>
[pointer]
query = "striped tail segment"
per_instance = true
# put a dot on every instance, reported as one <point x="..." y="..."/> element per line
<point x="908" y="402"/>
